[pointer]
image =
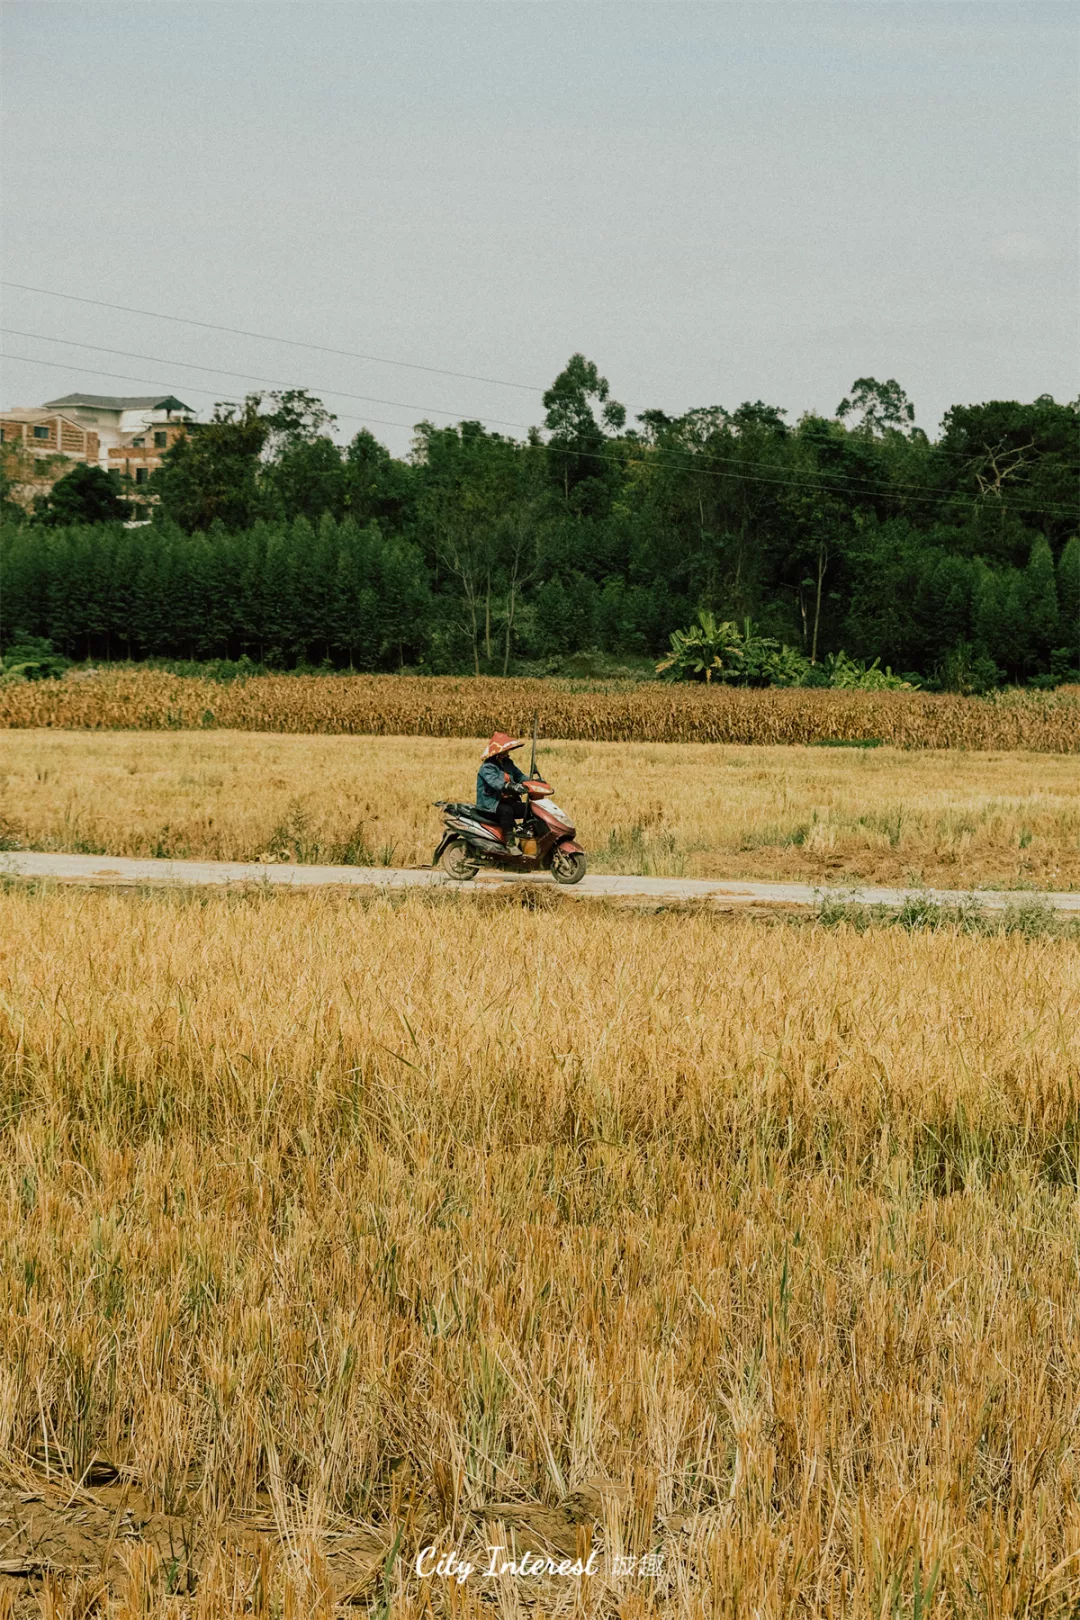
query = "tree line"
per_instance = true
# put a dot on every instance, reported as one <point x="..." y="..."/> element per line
<point x="955" y="559"/>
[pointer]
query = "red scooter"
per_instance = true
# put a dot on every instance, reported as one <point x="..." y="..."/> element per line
<point x="545" y="842"/>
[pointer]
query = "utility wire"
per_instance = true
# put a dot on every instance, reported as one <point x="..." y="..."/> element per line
<point x="692" y="461"/>
<point x="318" y="348"/>
<point x="245" y="376"/>
<point x="810" y="480"/>
<point x="191" y="388"/>
<point x="268" y="337"/>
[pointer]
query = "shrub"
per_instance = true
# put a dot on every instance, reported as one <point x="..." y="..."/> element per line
<point x="32" y="658"/>
<point x="853" y="675"/>
<point x="712" y="649"/>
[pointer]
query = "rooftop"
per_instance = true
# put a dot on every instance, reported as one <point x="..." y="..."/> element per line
<point x="120" y="402"/>
<point x="35" y="413"/>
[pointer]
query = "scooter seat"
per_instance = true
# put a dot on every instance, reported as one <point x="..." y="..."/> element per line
<point x="474" y="812"/>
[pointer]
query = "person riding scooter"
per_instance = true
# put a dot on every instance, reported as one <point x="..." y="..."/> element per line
<point x="481" y="834"/>
<point x="498" y="783"/>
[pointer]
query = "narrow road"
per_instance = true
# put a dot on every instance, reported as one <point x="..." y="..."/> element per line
<point x="109" y="871"/>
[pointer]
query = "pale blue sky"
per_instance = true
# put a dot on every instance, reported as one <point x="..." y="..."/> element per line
<point x="714" y="202"/>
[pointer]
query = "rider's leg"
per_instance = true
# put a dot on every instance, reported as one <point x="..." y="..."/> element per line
<point x="510" y="811"/>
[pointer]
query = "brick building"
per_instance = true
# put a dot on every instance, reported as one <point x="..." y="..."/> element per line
<point x="137" y="457"/>
<point x="123" y="434"/>
<point x="135" y="429"/>
<point x="46" y="433"/>
<point x="37" y="447"/>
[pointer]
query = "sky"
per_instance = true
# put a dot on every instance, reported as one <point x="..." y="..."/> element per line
<point x="714" y="202"/>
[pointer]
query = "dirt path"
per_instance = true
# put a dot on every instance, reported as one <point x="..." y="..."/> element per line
<point x="107" y="870"/>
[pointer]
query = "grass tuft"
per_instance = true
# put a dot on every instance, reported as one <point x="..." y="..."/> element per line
<point x="1030" y="916"/>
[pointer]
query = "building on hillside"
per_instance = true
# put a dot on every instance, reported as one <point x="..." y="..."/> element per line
<point x="123" y="421"/>
<point x="139" y="453"/>
<point x="46" y="432"/>
<point x="123" y="434"/>
<point x="39" y="446"/>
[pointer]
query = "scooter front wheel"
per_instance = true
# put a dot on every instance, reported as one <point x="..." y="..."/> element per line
<point x="568" y="866"/>
<point x="458" y="863"/>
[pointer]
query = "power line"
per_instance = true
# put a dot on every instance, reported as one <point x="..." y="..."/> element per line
<point x="245" y="376"/>
<point x="698" y="461"/>
<point x="690" y="459"/>
<point x="810" y="480"/>
<point x="193" y="388"/>
<point x="806" y="480"/>
<point x="268" y="337"/>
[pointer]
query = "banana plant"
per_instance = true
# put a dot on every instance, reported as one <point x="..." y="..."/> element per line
<point x="712" y="649"/>
<point x="708" y="648"/>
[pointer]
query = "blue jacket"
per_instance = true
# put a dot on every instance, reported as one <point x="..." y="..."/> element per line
<point x="496" y="778"/>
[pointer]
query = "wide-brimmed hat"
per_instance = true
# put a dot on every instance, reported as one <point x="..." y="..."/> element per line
<point x="501" y="743"/>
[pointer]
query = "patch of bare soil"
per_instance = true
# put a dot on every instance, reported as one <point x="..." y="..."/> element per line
<point x="59" y="1537"/>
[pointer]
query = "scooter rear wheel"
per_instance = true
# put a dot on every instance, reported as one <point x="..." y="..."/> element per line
<point x="457" y="863"/>
<point x="568" y="866"/>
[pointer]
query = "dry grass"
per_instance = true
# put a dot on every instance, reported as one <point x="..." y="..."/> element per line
<point x="952" y="820"/>
<point x="359" y="1224"/>
<point x="389" y="705"/>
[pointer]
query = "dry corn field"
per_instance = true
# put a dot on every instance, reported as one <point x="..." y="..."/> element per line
<point x="947" y="819"/>
<point x="336" y="1229"/>
<point x="388" y="705"/>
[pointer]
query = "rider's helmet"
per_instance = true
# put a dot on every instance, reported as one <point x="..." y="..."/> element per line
<point x="501" y="743"/>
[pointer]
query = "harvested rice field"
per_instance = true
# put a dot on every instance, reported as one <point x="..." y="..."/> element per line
<point x="946" y="819"/>
<point x="735" y="1262"/>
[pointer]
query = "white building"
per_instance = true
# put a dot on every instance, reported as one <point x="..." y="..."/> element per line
<point x="124" y="421"/>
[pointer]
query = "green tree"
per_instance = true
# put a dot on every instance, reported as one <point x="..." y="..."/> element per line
<point x="878" y="406"/>
<point x="376" y="485"/>
<point x="302" y="470"/>
<point x="307" y="479"/>
<point x="708" y="499"/>
<point x="11" y="513"/>
<point x="23" y="608"/>
<point x="551" y="631"/>
<point x="295" y="417"/>
<point x="1000" y="618"/>
<point x="271" y="540"/>
<point x="84" y="495"/>
<point x="577" y="434"/>
<point x="1013" y="461"/>
<point x="403" y="599"/>
<point x="818" y="531"/>
<point x="1040" y="600"/>
<point x="461" y="510"/>
<point x="1068" y="592"/>
<point x="213" y="471"/>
